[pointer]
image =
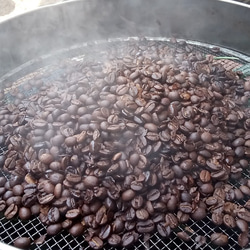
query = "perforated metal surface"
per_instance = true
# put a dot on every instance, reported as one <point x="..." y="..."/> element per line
<point x="12" y="229"/>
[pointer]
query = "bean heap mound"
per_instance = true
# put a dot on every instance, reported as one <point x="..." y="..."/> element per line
<point x="137" y="143"/>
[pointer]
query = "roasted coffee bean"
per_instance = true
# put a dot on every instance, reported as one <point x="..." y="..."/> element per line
<point x="198" y="214"/>
<point x="130" y="214"/>
<point x="142" y="214"/>
<point x="66" y="224"/>
<point x="130" y="225"/>
<point x="245" y="189"/>
<point x="2" y="205"/>
<point x="18" y="190"/>
<point x="243" y="239"/>
<point x="205" y="176"/>
<point x="200" y="241"/>
<point x="219" y="239"/>
<point x="46" y="158"/>
<point x="187" y="165"/>
<point x="206" y="188"/>
<point x="11" y="211"/>
<point x="145" y="226"/>
<point x="105" y="232"/>
<point x="212" y="200"/>
<point x="229" y="221"/>
<point x="171" y="220"/>
<point x="22" y="242"/>
<point x="128" y="195"/>
<point x="185" y="207"/>
<point x="90" y="181"/>
<point x="217" y="218"/>
<point x="206" y="137"/>
<point x="53" y="215"/>
<point x="163" y="230"/>
<point x="72" y="214"/>
<point x="128" y="239"/>
<point x="244" y="215"/>
<point x="114" y="240"/>
<point x="96" y="243"/>
<point x="137" y="202"/>
<point x="242" y="225"/>
<point x="118" y="225"/>
<point x="182" y="217"/>
<point x="54" y="229"/>
<point x="153" y="195"/>
<point x="56" y="178"/>
<point x="77" y="229"/>
<point x="24" y="213"/>
<point x="183" y="236"/>
<point x="238" y="194"/>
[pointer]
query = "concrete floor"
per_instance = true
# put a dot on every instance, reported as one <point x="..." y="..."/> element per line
<point x="10" y="8"/>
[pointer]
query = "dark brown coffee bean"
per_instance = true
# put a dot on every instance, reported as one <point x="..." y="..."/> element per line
<point x="163" y="230"/>
<point x="118" y="226"/>
<point x="90" y="181"/>
<point x="137" y="202"/>
<point x="185" y="207"/>
<point x="229" y="221"/>
<point x="70" y="141"/>
<point x="101" y="215"/>
<point x="206" y="188"/>
<point x="24" y="213"/>
<point x="171" y="220"/>
<point x="245" y="189"/>
<point x="145" y="226"/>
<point x="205" y="176"/>
<point x="105" y="232"/>
<point x="128" y="239"/>
<point x="217" y="218"/>
<point x="72" y="214"/>
<point x="2" y="205"/>
<point x="11" y="211"/>
<point x="22" y="242"/>
<point x="183" y="236"/>
<point x="56" y="178"/>
<point x="53" y="215"/>
<point x="172" y="203"/>
<point x="243" y="239"/>
<point x="66" y="224"/>
<point x="244" y="215"/>
<point x="242" y="225"/>
<point x="136" y="186"/>
<point x="182" y="217"/>
<point x="114" y="240"/>
<point x="46" y="158"/>
<point x="77" y="229"/>
<point x="198" y="214"/>
<point x="46" y="199"/>
<point x="238" y="194"/>
<point x="206" y="137"/>
<point x="200" y="241"/>
<point x="142" y="214"/>
<point x="128" y="195"/>
<point x="187" y="165"/>
<point x="219" y="239"/>
<point x="96" y="243"/>
<point x="54" y="229"/>
<point x="211" y="201"/>
<point x="153" y="195"/>
<point x="18" y="190"/>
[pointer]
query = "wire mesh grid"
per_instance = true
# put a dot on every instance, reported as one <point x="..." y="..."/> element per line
<point x="14" y="228"/>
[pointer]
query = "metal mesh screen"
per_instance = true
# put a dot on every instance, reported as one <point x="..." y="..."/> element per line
<point x="12" y="229"/>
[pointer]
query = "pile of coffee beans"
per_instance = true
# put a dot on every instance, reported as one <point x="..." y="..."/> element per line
<point x="128" y="146"/>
